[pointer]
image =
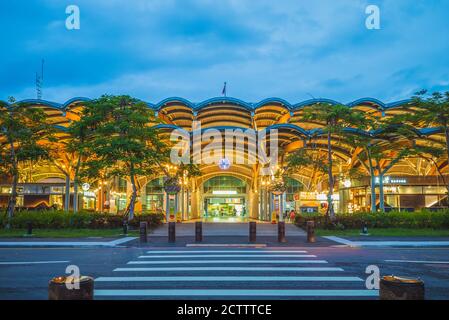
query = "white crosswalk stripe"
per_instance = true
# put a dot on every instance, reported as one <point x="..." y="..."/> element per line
<point x="227" y="262"/>
<point x="250" y="273"/>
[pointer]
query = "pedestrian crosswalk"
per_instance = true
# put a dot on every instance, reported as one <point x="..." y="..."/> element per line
<point x="231" y="273"/>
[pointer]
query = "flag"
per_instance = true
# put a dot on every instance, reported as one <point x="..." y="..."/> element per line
<point x="224" y="90"/>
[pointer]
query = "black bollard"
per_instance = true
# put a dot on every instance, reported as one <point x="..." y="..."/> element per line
<point x="281" y="231"/>
<point x="76" y="289"/>
<point x="311" y="231"/>
<point x="399" y="288"/>
<point x="364" y="230"/>
<point x="252" y="231"/>
<point x="125" y="228"/>
<point x="172" y="232"/>
<point x="143" y="232"/>
<point x="29" y="229"/>
<point x="198" y="231"/>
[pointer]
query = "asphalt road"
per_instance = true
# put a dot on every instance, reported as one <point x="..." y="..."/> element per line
<point x="222" y="273"/>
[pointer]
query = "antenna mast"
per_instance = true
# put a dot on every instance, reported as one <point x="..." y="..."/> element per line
<point x="40" y="81"/>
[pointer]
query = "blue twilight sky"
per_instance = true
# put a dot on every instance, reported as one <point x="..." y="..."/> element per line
<point x="292" y="49"/>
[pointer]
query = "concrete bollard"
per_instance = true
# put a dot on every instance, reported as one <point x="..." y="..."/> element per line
<point x="311" y="231"/>
<point x="172" y="232"/>
<point x="198" y="231"/>
<point x="399" y="288"/>
<point x="252" y="231"/>
<point x="80" y="289"/>
<point x="281" y="231"/>
<point x="143" y="232"/>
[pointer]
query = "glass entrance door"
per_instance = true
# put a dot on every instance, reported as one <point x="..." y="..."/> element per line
<point x="225" y="209"/>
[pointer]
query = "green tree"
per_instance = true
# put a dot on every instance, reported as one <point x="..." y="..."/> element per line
<point x="334" y="119"/>
<point x="428" y="111"/>
<point x="80" y="146"/>
<point x="123" y="142"/>
<point x="24" y="136"/>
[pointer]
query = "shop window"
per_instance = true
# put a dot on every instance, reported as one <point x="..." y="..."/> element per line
<point x="434" y="190"/>
<point x="154" y="202"/>
<point x="122" y="185"/>
<point x="410" y="190"/>
<point x="222" y="183"/>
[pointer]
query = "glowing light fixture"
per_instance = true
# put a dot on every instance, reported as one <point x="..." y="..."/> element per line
<point x="224" y="192"/>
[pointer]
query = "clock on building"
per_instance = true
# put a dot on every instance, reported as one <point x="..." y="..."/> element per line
<point x="224" y="164"/>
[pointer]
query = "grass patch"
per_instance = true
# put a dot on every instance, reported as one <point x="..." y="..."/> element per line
<point x="386" y="232"/>
<point x="66" y="233"/>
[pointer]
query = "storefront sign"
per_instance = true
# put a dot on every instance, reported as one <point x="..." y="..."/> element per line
<point x="89" y="194"/>
<point x="389" y="180"/>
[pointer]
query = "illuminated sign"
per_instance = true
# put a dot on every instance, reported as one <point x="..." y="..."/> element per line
<point x="89" y="194"/>
<point x="323" y="197"/>
<point x="389" y="180"/>
<point x="224" y="192"/>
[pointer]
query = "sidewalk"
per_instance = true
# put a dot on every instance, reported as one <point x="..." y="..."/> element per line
<point x="82" y="242"/>
<point x="391" y="242"/>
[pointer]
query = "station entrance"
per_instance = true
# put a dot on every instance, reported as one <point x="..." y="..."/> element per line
<point x="225" y="200"/>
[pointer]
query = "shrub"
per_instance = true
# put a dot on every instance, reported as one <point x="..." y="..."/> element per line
<point x="420" y="219"/>
<point x="80" y="220"/>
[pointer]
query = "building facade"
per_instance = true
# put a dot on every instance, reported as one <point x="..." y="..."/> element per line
<point x="236" y="191"/>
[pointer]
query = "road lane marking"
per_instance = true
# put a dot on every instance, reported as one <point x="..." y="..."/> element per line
<point x="236" y="292"/>
<point x="231" y="256"/>
<point x="228" y="251"/>
<point x="227" y="261"/>
<point x="419" y="261"/>
<point x="226" y="278"/>
<point x="30" y="262"/>
<point x="231" y="269"/>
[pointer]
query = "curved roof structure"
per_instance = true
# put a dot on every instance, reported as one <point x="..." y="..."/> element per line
<point x="223" y="113"/>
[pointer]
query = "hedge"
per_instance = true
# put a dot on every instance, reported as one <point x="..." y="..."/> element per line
<point x="420" y="219"/>
<point x="79" y="220"/>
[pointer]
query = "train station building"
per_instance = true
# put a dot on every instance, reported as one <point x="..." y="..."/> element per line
<point x="229" y="191"/>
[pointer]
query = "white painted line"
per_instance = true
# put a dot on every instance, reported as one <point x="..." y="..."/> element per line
<point x="227" y="261"/>
<point x="388" y="243"/>
<point x="231" y="256"/>
<point x="419" y="261"/>
<point x="228" y="251"/>
<point x="401" y="243"/>
<point x="231" y="269"/>
<point x="122" y="240"/>
<point x="227" y="278"/>
<point x="339" y="240"/>
<point x="27" y="244"/>
<point x="226" y="245"/>
<point x="31" y="262"/>
<point x="235" y="292"/>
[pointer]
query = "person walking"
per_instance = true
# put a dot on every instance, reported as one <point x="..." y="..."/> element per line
<point x="292" y="216"/>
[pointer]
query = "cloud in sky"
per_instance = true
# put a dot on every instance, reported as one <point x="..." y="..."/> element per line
<point x="292" y="49"/>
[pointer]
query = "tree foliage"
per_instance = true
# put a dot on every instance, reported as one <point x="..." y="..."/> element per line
<point x="24" y="136"/>
<point x="121" y="141"/>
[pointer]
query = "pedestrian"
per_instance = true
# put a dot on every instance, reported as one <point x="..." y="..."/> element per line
<point x="292" y="216"/>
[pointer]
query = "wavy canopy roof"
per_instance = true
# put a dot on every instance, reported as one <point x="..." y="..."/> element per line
<point x="223" y="113"/>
